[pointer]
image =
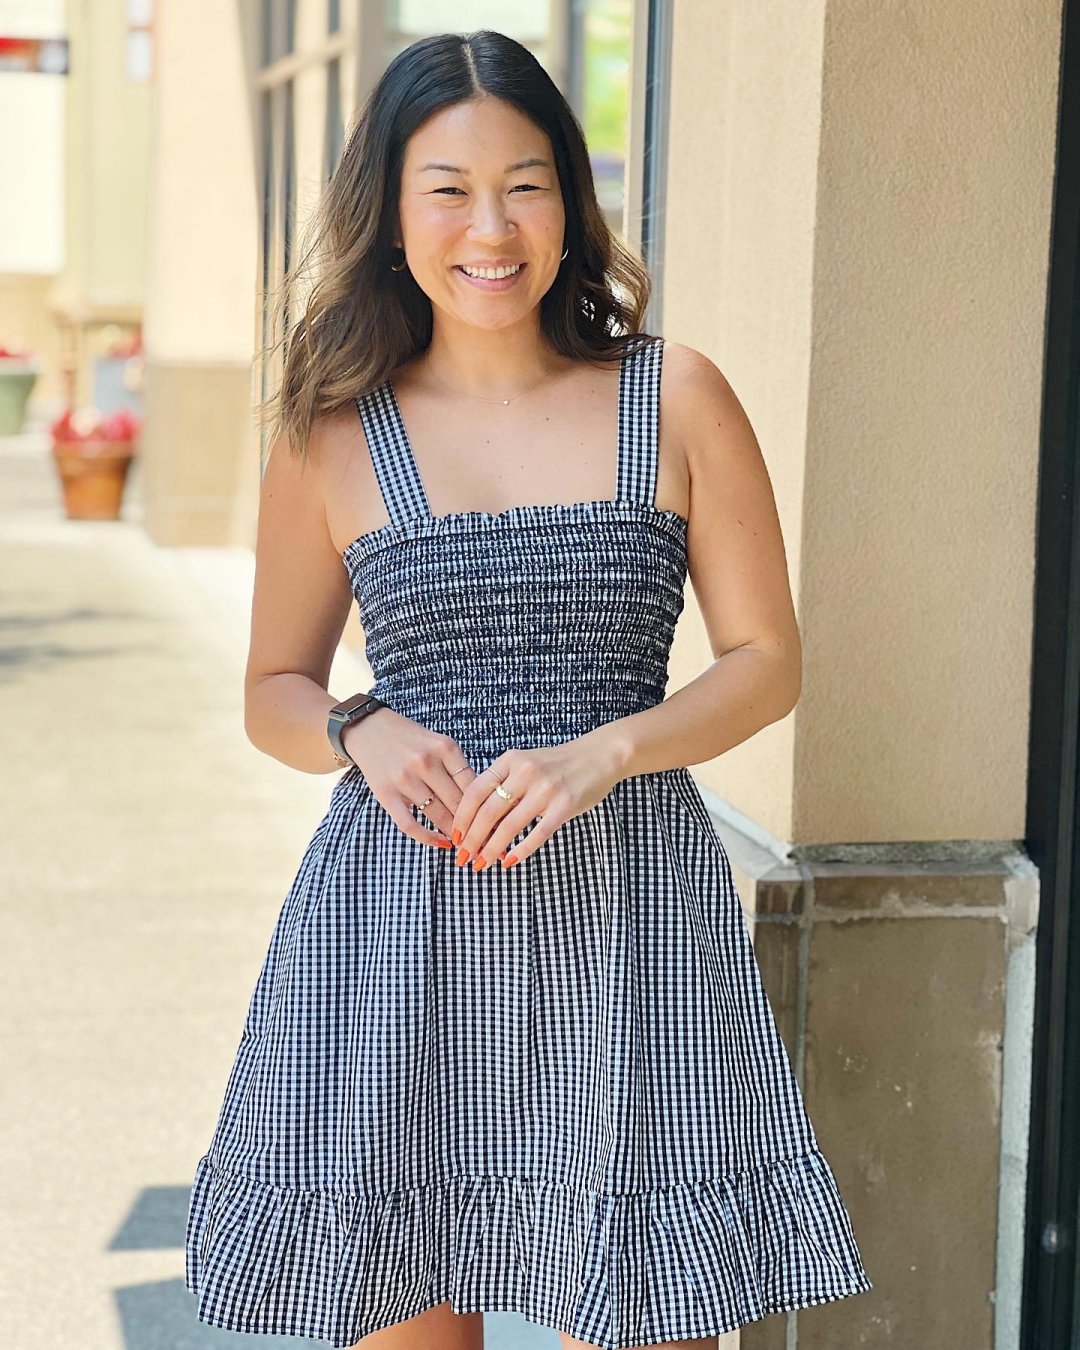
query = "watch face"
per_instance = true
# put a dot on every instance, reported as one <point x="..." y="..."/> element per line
<point x="351" y="704"/>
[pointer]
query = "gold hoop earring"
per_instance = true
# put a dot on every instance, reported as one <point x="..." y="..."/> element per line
<point x="401" y="266"/>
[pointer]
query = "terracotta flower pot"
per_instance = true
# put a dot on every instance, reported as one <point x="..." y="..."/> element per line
<point x="93" y="475"/>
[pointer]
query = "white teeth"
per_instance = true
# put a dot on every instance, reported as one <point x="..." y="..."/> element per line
<point x="492" y="273"/>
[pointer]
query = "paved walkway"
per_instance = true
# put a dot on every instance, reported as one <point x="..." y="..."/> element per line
<point x="146" y="850"/>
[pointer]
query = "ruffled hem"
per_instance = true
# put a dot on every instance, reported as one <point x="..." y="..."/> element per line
<point x="696" y="1259"/>
<point x="602" y="511"/>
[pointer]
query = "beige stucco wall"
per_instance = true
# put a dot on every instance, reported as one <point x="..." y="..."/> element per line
<point x="857" y="226"/>
<point x="200" y="471"/>
<point x="106" y="165"/>
<point x="25" y="322"/>
<point x="202" y="302"/>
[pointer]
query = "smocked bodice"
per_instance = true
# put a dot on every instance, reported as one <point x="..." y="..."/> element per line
<point x="528" y="626"/>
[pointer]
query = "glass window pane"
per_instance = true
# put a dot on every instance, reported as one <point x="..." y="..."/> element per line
<point x="334" y="136"/>
<point x="277" y="29"/>
<point x="605" y="112"/>
<point x="288" y="185"/>
<point x="526" y="20"/>
<point x="266" y="32"/>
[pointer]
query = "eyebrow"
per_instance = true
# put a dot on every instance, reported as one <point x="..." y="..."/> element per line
<point x="510" y="168"/>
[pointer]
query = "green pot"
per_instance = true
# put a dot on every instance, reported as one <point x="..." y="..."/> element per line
<point x="16" y="383"/>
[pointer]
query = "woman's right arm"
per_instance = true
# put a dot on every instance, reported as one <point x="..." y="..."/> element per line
<point x="301" y="600"/>
<point x="300" y="603"/>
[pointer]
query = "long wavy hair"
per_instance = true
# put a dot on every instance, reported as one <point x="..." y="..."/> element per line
<point x="360" y="320"/>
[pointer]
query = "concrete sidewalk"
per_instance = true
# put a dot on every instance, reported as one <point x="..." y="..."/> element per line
<point x="146" y="850"/>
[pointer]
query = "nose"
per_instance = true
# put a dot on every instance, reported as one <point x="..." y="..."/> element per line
<point x="490" y="222"/>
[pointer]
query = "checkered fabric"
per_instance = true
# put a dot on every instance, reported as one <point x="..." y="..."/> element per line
<point x="558" y="1088"/>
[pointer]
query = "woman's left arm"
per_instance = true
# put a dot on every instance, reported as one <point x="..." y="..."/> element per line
<point x="738" y="568"/>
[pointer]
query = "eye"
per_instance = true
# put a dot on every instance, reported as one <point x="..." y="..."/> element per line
<point x="521" y="187"/>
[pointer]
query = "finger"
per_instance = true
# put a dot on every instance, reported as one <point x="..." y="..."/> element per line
<point x="427" y="800"/>
<point x="539" y="834"/>
<point x="446" y="787"/>
<point x="505" y="831"/>
<point x="430" y="785"/>
<point x="490" y="810"/>
<point x="487" y="835"/>
<point x="472" y="798"/>
<point x="400" y="813"/>
<point x="422" y="815"/>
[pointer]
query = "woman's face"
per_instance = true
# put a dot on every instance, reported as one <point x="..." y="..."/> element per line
<point x="479" y="189"/>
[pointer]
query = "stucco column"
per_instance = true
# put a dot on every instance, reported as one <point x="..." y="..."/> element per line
<point x="857" y="222"/>
<point x="200" y="446"/>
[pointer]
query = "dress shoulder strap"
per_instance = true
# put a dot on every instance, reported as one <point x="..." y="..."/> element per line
<point x="391" y="455"/>
<point x="639" y="421"/>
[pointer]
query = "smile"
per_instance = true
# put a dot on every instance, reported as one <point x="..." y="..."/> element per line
<point x="492" y="278"/>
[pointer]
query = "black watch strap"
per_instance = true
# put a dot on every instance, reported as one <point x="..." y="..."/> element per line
<point x="343" y="715"/>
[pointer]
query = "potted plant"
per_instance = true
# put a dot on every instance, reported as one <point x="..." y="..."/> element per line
<point x="18" y="374"/>
<point x="93" y="452"/>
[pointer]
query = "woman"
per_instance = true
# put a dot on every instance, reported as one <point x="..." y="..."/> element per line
<point x="509" y="1048"/>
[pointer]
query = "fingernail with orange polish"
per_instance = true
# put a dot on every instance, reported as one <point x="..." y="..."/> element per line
<point x="510" y="860"/>
<point x="456" y="836"/>
<point x="462" y="856"/>
<point x="480" y="863"/>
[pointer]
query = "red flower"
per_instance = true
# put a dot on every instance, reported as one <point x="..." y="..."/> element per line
<point x="88" y="424"/>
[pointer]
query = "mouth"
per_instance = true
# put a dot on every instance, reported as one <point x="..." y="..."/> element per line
<point x="491" y="278"/>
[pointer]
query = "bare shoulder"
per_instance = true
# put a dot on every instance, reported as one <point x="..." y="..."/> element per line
<point x="333" y="438"/>
<point x="299" y="495"/>
<point x="686" y="367"/>
<point x="701" y="407"/>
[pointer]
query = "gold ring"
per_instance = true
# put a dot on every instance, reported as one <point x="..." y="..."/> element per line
<point x="506" y="796"/>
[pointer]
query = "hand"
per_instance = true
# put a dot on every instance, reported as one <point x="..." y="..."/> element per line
<point x="551" y="783"/>
<point x="404" y="764"/>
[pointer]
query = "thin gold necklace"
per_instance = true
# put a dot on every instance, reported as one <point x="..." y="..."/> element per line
<point x="503" y="401"/>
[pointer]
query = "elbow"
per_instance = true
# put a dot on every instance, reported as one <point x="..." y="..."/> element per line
<point x="253" y="686"/>
<point x="787" y="681"/>
<point x="791" y="687"/>
<point x="250" y="730"/>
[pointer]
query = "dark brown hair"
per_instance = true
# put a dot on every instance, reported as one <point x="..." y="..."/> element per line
<point x="360" y="320"/>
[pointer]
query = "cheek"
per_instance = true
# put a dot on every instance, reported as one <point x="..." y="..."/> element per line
<point x="552" y="222"/>
<point x="428" y="230"/>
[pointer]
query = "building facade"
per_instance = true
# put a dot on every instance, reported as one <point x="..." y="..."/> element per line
<point x="849" y="209"/>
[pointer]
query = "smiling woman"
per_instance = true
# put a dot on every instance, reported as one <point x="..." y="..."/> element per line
<point x="485" y="167"/>
<point x="509" y="1048"/>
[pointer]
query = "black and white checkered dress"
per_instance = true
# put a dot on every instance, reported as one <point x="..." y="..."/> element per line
<point x="558" y="1088"/>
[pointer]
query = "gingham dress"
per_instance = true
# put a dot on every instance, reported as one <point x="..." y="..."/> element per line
<point x="558" y="1088"/>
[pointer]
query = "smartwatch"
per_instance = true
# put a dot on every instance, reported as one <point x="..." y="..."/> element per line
<point x="343" y="715"/>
